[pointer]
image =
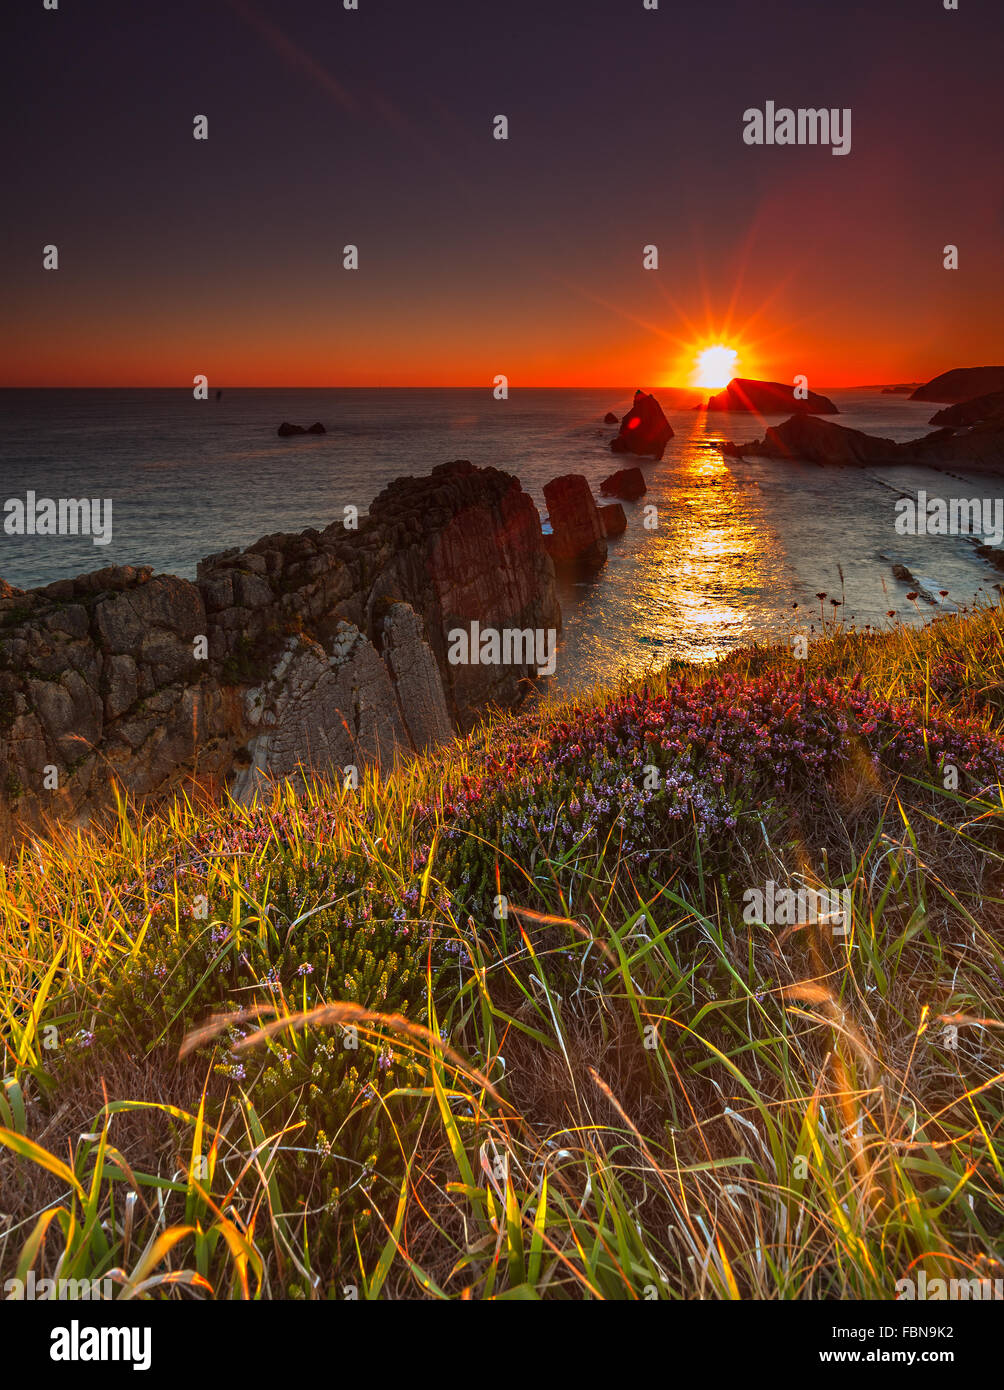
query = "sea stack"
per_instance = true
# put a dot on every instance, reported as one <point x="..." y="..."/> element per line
<point x="613" y="519"/>
<point x="578" y="539"/>
<point x="627" y="483"/>
<point x="644" y="429"/>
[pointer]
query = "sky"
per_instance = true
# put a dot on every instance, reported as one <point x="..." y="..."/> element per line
<point x="479" y="257"/>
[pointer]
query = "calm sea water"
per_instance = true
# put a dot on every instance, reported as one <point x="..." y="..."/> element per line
<point x="738" y="543"/>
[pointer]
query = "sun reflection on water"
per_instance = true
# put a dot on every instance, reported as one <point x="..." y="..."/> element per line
<point x="694" y="587"/>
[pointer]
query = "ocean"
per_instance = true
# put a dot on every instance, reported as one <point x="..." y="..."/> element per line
<point x="740" y="552"/>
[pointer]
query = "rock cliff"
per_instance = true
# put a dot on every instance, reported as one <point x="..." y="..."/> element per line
<point x="320" y="649"/>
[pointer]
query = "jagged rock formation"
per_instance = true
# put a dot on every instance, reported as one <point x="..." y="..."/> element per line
<point x="610" y="418"/>
<point x="644" y="429"/>
<point x="416" y="678"/>
<point x="810" y="440"/>
<point x="578" y="539"/>
<point x="769" y="398"/>
<point x="347" y="708"/>
<point x="320" y="649"/>
<point x="628" y="484"/>
<point x="321" y="711"/>
<point x="961" y="384"/>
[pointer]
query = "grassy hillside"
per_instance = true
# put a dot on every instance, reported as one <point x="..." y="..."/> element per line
<point x="504" y="1024"/>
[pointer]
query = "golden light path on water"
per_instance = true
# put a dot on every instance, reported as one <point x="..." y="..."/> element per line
<point x="702" y="582"/>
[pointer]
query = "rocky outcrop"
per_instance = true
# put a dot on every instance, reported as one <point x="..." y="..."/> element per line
<point x="627" y="484"/>
<point x="961" y="384"/>
<point x="904" y="576"/>
<point x="610" y="418"/>
<point x="299" y="651"/>
<point x="612" y="518"/>
<point x="993" y="554"/>
<point x="416" y="678"/>
<point x="808" y="440"/>
<point x="578" y="540"/>
<point x="100" y="679"/>
<point x="975" y="412"/>
<point x="286" y="429"/>
<point x="769" y="398"/>
<point x="644" y="429"/>
<point x="817" y="441"/>
<point x="464" y="544"/>
<point x="329" y="711"/>
<point x="336" y="711"/>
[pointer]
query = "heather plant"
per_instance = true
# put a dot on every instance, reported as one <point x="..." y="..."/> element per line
<point x="680" y="783"/>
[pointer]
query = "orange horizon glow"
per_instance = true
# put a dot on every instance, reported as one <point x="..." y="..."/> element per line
<point x="579" y="339"/>
<point x="267" y="356"/>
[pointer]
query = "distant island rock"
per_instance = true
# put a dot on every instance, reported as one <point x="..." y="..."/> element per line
<point x="961" y="384"/>
<point x="644" y="429"/>
<point x="768" y="398"/>
<point x="628" y="484"/>
<point x="286" y="429"/>
<point x="896" y="390"/>
<point x="610" y="418"/>
<point x="803" y="438"/>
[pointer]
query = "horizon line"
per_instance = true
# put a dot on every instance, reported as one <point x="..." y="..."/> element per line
<point x="459" y="386"/>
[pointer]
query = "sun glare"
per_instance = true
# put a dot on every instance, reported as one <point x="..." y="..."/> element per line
<point x="715" y="367"/>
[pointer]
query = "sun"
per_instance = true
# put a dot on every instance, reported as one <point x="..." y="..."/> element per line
<point x="715" y="366"/>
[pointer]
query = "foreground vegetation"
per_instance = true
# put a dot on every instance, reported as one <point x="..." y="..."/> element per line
<point x="501" y="1025"/>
